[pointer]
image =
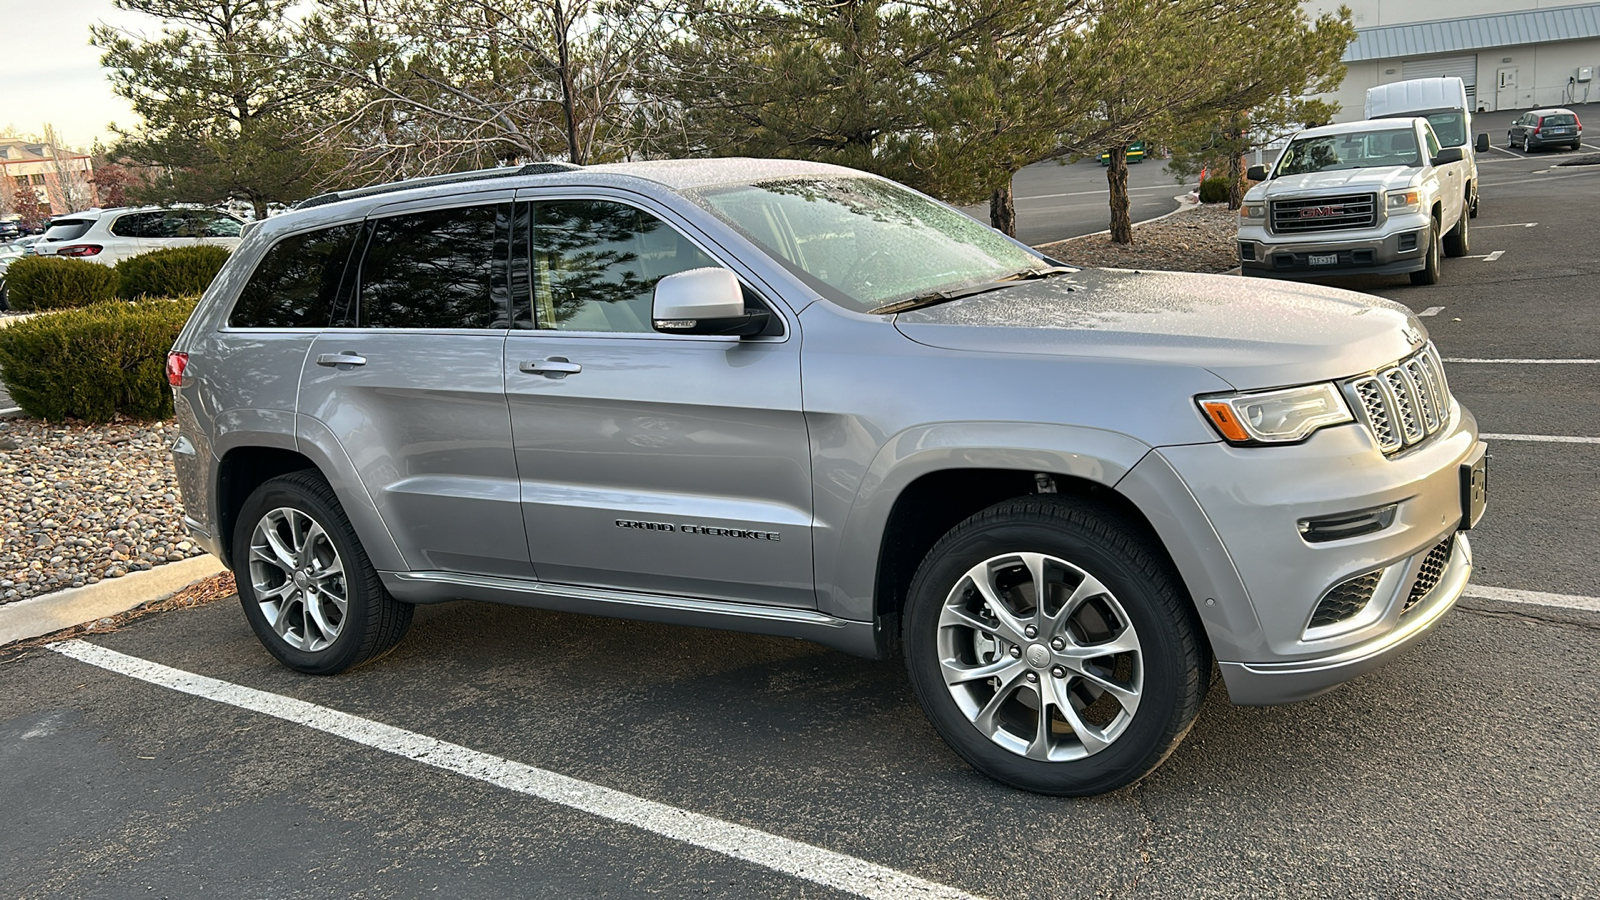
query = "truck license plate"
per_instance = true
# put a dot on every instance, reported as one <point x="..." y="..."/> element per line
<point x="1324" y="259"/>
<point x="1474" y="487"/>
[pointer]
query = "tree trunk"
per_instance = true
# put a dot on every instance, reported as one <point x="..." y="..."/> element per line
<point x="1117" y="179"/>
<point x="563" y="48"/>
<point x="1235" y="181"/>
<point x="1003" y="210"/>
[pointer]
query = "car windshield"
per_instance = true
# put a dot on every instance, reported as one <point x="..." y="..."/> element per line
<point x="1355" y="150"/>
<point x="1450" y="127"/>
<point x="865" y="243"/>
<point x="67" y="229"/>
<point x="1548" y="121"/>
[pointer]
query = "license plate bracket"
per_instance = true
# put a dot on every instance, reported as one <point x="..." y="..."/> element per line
<point x="1323" y="259"/>
<point x="1474" y="486"/>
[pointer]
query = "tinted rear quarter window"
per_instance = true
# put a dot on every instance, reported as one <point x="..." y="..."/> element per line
<point x="138" y="225"/>
<point x="296" y="283"/>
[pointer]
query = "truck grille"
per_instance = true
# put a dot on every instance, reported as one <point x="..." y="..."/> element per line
<point x="1324" y="213"/>
<point x="1345" y="599"/>
<point x="1405" y="403"/>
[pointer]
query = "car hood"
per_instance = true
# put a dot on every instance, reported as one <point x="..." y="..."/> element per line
<point x="1251" y="333"/>
<point x="1387" y="178"/>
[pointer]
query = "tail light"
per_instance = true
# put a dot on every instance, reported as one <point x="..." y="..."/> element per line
<point x="80" y="250"/>
<point x="176" y="364"/>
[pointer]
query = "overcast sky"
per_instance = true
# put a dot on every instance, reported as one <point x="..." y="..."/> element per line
<point x="51" y="74"/>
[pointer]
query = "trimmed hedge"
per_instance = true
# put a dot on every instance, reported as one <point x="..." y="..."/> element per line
<point x="171" y="272"/>
<point x="41" y="283"/>
<point x="1215" y="189"/>
<point x="95" y="362"/>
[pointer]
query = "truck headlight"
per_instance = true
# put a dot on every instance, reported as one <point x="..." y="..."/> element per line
<point x="1253" y="211"/>
<point x="1405" y="201"/>
<point x="1275" y="417"/>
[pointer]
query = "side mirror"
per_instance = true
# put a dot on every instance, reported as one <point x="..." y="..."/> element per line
<point x="1256" y="173"/>
<point x="1482" y="144"/>
<point x="1449" y="155"/>
<point x="705" y="301"/>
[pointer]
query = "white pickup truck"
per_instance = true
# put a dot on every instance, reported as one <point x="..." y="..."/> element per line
<point x="1443" y="102"/>
<point x="1376" y="198"/>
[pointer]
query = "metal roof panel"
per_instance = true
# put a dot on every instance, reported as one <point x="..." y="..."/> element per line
<point x="1567" y="23"/>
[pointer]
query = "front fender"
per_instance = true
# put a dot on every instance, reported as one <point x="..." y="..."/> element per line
<point x="847" y="551"/>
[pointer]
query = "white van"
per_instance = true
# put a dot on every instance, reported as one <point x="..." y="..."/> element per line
<point x="1443" y="102"/>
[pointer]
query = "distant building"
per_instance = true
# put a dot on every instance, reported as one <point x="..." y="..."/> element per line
<point x="59" y="177"/>
<point x="1512" y="55"/>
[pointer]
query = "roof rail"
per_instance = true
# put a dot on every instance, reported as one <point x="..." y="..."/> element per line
<point x="544" y="168"/>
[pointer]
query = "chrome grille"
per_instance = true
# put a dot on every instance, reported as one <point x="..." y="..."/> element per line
<point x="1432" y="571"/>
<point x="1324" y="213"/>
<point x="1405" y="403"/>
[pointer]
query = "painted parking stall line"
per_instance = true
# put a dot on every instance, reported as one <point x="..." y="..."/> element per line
<point x="780" y="854"/>
<point x="1532" y="598"/>
<point x="1430" y="311"/>
<point x="1508" y="225"/>
<point x="1523" y="362"/>
<point x="1541" y="438"/>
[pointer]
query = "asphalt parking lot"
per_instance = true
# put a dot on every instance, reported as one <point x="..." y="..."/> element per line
<point x="509" y="752"/>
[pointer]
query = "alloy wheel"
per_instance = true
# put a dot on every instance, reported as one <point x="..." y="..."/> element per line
<point x="298" y="579"/>
<point x="1040" y="657"/>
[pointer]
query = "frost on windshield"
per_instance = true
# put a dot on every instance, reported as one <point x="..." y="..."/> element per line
<point x="863" y="242"/>
<point x="1359" y="150"/>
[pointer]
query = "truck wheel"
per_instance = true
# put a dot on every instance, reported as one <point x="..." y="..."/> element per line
<point x="1459" y="241"/>
<point x="1053" y="648"/>
<point x="1474" y="201"/>
<point x="1430" y="270"/>
<point x="308" y="590"/>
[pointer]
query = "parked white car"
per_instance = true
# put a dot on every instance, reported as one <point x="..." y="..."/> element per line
<point x="111" y="235"/>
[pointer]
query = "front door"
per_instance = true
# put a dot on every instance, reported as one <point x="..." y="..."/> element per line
<point x="658" y="463"/>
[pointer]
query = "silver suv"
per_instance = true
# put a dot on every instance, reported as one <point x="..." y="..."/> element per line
<point x="795" y="399"/>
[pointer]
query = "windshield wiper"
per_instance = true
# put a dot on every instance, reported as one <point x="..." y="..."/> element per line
<point x="937" y="297"/>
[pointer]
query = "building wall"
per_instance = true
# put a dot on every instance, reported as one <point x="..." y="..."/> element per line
<point x="1542" y="72"/>
<point x="1373" y="13"/>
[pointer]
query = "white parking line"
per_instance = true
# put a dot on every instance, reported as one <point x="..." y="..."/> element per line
<point x="1431" y="311"/>
<point x="824" y="867"/>
<point x="1541" y="438"/>
<point x="1512" y="225"/>
<point x="9" y="410"/>
<point x="1526" y="362"/>
<point x="1535" y="598"/>
<point x="1494" y="256"/>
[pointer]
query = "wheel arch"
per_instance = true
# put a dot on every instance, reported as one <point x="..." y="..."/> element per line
<point x="240" y="471"/>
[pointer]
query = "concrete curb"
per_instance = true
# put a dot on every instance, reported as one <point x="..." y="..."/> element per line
<point x="49" y="613"/>
<point x="1186" y="202"/>
<point x="15" y="318"/>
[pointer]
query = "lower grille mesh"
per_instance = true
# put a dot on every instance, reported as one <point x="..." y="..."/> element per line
<point x="1432" y="571"/>
<point x="1345" y="599"/>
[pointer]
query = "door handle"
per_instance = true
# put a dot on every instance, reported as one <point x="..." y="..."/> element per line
<point x="554" y="367"/>
<point x="341" y="359"/>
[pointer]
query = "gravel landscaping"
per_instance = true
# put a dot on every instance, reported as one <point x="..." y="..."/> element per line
<point x="1193" y="240"/>
<point x="81" y="503"/>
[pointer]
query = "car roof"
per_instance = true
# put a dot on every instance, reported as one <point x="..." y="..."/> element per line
<point x="1363" y="126"/>
<point x="1553" y="111"/>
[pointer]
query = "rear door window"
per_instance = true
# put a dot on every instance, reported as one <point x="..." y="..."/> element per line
<point x="139" y="225"/>
<point x="442" y="268"/>
<point x="296" y="283"/>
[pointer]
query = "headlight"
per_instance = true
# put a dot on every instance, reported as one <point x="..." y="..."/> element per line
<point x="1400" y="201"/>
<point x="1253" y="211"/>
<point x="1275" y="417"/>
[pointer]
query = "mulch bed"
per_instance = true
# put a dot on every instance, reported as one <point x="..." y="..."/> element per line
<point x="1194" y="240"/>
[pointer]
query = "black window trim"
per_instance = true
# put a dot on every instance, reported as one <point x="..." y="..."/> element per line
<point x="747" y="278"/>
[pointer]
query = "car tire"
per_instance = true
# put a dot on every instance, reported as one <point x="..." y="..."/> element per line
<point x="1474" y="207"/>
<point x="1459" y="241"/>
<point x="1525" y="147"/>
<point x="1112" y="717"/>
<point x="308" y="589"/>
<point x="1430" y="270"/>
<point x="1511" y="142"/>
<point x="1577" y="145"/>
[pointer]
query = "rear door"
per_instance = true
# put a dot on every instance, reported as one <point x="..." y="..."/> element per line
<point x="408" y="381"/>
<point x="650" y="462"/>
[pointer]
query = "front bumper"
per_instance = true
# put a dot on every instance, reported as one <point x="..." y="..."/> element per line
<point x="1255" y="502"/>
<point x="1398" y="247"/>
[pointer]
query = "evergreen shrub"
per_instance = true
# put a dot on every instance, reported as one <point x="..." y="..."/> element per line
<point x="1214" y="189"/>
<point x="172" y="272"/>
<point x="94" y="362"/>
<point x="42" y="283"/>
